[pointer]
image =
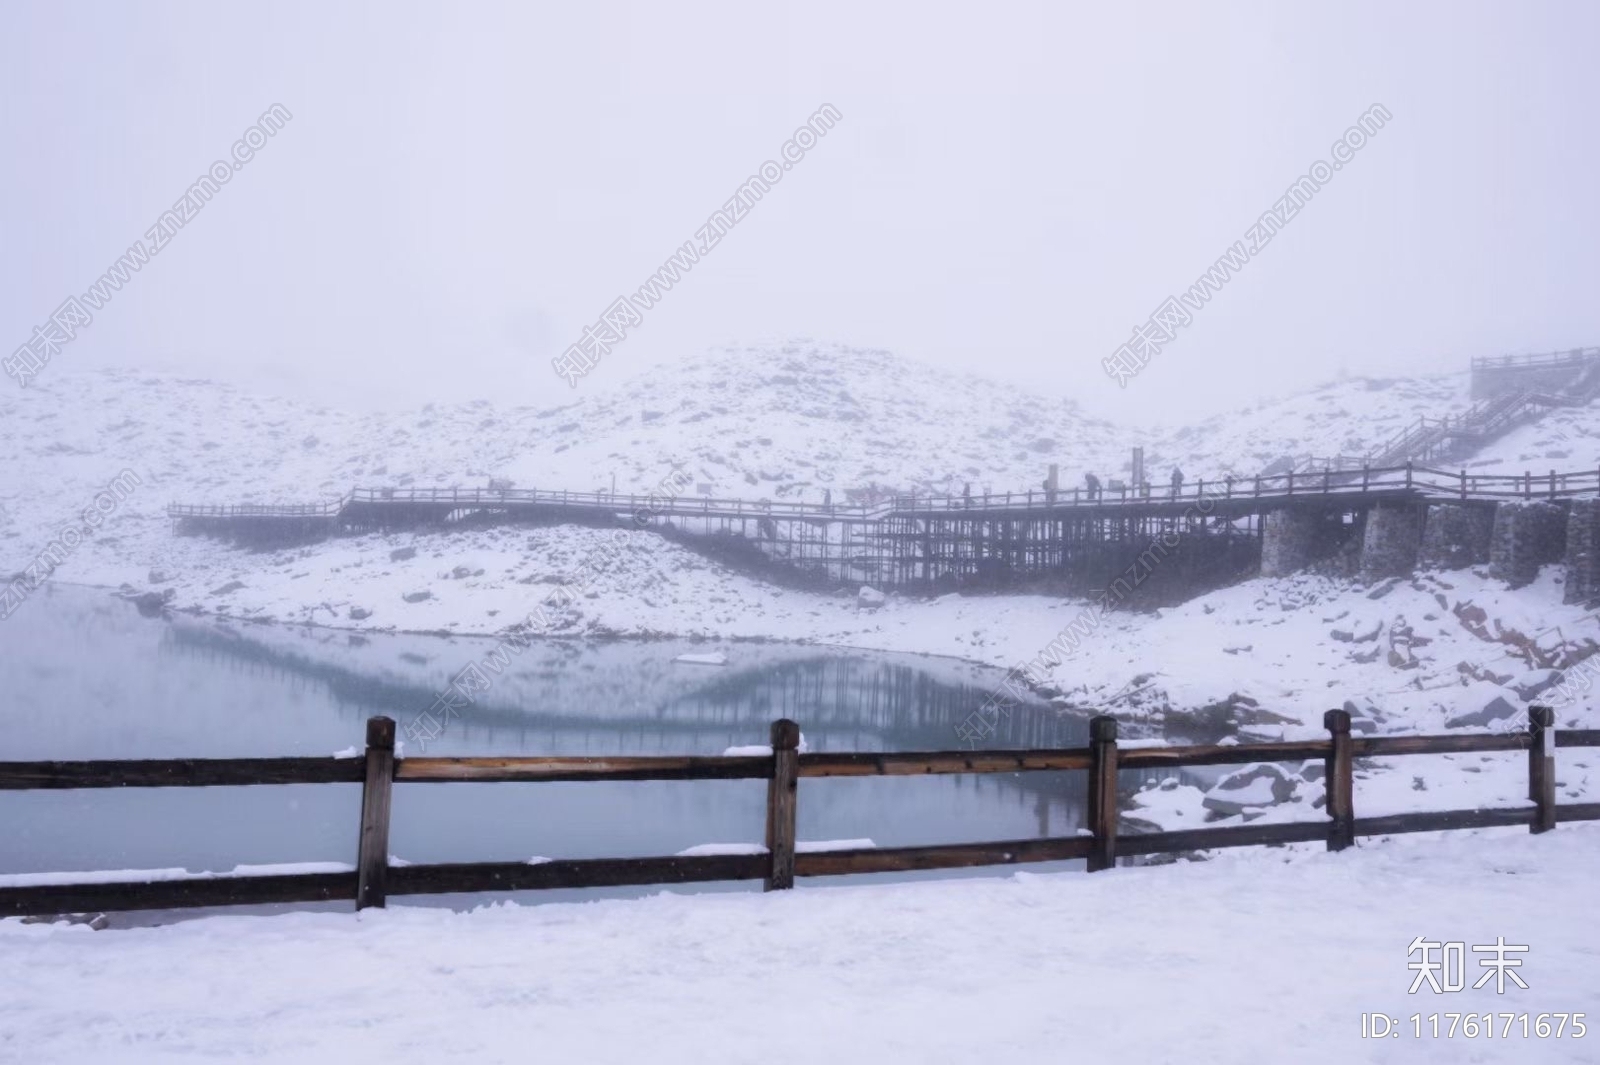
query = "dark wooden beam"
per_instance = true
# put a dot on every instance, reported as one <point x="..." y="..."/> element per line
<point x="179" y="773"/>
<point x="575" y="768"/>
<point x="176" y="894"/>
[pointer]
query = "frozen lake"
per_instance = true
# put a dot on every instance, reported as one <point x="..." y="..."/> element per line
<point x="85" y="676"/>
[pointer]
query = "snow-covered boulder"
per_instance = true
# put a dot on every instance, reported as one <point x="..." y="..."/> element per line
<point x="869" y="598"/>
<point x="1249" y="790"/>
<point x="1534" y="683"/>
<point x="1482" y="705"/>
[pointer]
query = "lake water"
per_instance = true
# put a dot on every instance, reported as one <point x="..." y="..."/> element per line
<point x="84" y="676"/>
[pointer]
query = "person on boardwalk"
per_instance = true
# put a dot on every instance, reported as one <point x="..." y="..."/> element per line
<point x="1177" y="482"/>
<point x="966" y="494"/>
<point x="1091" y="486"/>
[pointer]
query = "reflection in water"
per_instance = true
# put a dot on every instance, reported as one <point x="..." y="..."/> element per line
<point x="88" y="678"/>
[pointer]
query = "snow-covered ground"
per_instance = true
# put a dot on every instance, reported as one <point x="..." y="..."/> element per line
<point x="1255" y="956"/>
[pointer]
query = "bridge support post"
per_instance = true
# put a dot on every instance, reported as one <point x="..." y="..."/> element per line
<point x="1392" y="540"/>
<point x="1290" y="537"/>
<point x="1583" y="552"/>
<point x="1527" y="535"/>
<point x="1456" y="536"/>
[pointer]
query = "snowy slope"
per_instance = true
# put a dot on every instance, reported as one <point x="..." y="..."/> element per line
<point x="1349" y="417"/>
<point x="790" y="420"/>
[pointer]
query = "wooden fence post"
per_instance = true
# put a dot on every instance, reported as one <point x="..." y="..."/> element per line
<point x="1542" y="767"/>
<point x="1338" y="780"/>
<point x="1103" y="792"/>
<point x="781" y="795"/>
<point x="372" y="861"/>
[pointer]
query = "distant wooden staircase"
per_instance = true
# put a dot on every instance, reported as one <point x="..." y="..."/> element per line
<point x="1515" y="389"/>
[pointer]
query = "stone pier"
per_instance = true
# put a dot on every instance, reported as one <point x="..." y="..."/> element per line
<point x="1456" y="536"/>
<point x="1527" y="535"/>
<point x="1291" y="539"/>
<point x="1392" y="540"/>
<point x="1583" y="551"/>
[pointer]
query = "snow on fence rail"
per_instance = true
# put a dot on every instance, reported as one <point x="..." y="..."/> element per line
<point x="374" y="878"/>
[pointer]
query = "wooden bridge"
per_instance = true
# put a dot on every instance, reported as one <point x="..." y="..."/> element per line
<point x="1070" y="541"/>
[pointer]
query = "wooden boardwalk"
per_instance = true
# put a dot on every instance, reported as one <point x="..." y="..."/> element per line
<point x="396" y="507"/>
<point x="1076" y="542"/>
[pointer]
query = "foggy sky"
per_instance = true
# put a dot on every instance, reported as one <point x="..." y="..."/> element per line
<point x="1012" y="189"/>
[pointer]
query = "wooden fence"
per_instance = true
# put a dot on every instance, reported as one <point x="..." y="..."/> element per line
<point x="374" y="879"/>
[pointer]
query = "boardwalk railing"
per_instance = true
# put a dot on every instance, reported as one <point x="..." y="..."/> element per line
<point x="1569" y="357"/>
<point x="1352" y="479"/>
<point x="374" y="878"/>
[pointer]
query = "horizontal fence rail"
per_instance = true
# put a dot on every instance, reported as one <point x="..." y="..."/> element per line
<point x="374" y="878"/>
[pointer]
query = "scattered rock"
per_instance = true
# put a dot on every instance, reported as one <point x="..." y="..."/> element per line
<point x="1400" y="657"/>
<point x="1534" y="683"/>
<point x="1476" y="672"/>
<point x="1385" y="588"/>
<point x="461" y="571"/>
<point x="417" y="597"/>
<point x="151" y="604"/>
<point x="1365" y="715"/>
<point x="359" y="613"/>
<point x="1359" y="632"/>
<point x="1498" y="708"/>
<point x="869" y="598"/>
<point x="402" y="553"/>
<point x="228" y="589"/>
<point x="158" y="577"/>
<point x="1249" y="790"/>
